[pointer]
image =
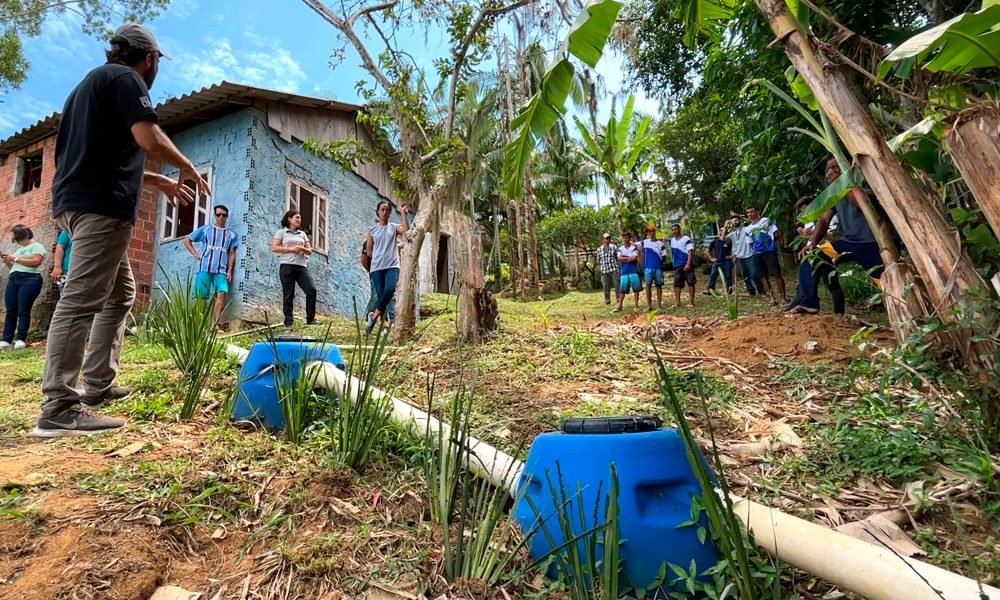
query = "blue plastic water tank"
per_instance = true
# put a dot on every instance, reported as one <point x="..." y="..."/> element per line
<point x="257" y="391"/>
<point x="656" y="484"/>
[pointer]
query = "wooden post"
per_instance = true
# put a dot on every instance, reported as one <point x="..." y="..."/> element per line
<point x="974" y="144"/>
<point x="935" y="251"/>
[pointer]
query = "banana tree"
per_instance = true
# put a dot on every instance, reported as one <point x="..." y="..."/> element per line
<point x="618" y="152"/>
<point x="585" y="42"/>
<point x="944" y="270"/>
<point x="961" y="45"/>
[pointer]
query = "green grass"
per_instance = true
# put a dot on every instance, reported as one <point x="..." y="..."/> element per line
<point x="545" y="363"/>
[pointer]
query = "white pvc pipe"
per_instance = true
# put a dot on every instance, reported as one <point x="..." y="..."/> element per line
<point x="854" y="565"/>
<point x="868" y="570"/>
<point x="493" y="465"/>
<point x="499" y="468"/>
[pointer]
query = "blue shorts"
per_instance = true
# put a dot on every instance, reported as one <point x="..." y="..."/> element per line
<point x="630" y="282"/>
<point x="654" y="277"/>
<point x="208" y="284"/>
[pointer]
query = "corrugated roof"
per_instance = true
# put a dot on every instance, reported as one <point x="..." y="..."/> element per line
<point x="190" y="109"/>
<point x="30" y="134"/>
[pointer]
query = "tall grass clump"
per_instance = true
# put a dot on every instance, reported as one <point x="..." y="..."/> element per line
<point x="359" y="416"/>
<point x="587" y="561"/>
<point x="186" y="327"/>
<point x="298" y="397"/>
<point x="742" y="566"/>
<point x="480" y="539"/>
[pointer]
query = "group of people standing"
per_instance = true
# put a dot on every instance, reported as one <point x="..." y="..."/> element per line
<point x="621" y="265"/>
<point x="753" y="243"/>
<point x="217" y="260"/>
<point x="840" y="235"/>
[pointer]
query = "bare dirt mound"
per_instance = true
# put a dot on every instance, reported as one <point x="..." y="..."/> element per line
<point x="757" y="339"/>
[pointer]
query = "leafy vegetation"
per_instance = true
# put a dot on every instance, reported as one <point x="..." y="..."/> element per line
<point x="26" y="18"/>
<point x="299" y="508"/>
<point x="186" y="327"/>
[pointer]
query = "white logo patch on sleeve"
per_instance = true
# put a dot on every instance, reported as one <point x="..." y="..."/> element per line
<point x="144" y="100"/>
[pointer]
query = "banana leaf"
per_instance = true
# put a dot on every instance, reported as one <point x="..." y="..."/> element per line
<point x="834" y="193"/>
<point x="586" y="41"/>
<point x="969" y="41"/>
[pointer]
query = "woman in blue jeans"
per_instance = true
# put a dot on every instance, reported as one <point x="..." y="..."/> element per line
<point x="23" y="286"/>
<point x="381" y="247"/>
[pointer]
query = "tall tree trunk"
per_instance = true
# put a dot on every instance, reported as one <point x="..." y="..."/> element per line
<point x="518" y="248"/>
<point x="535" y="259"/>
<point x="496" y="252"/>
<point x="945" y="271"/>
<point x="477" y="310"/>
<point x="406" y="290"/>
<point x="974" y="144"/>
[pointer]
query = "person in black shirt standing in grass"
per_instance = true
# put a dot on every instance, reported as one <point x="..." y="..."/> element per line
<point x="108" y="126"/>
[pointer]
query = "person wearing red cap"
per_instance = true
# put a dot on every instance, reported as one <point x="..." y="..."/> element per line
<point x="107" y="128"/>
<point x="652" y="260"/>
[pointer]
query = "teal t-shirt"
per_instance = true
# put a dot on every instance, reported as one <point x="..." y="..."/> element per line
<point x="67" y="245"/>
<point x="27" y="252"/>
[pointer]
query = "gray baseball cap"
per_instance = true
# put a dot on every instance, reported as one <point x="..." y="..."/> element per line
<point x="138" y="36"/>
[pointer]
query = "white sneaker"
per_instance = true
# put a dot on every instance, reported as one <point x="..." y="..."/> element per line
<point x="4" y="346"/>
<point x="19" y="345"/>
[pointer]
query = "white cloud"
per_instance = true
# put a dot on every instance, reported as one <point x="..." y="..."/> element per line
<point x="265" y="63"/>
<point x="181" y="9"/>
<point x="62" y="42"/>
<point x="21" y="110"/>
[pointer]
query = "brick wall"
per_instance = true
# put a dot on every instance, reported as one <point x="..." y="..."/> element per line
<point x="34" y="209"/>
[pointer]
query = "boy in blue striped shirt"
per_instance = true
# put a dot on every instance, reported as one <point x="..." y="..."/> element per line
<point x="217" y="261"/>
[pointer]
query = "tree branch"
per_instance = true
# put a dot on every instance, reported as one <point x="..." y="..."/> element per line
<point x="397" y="56"/>
<point x="345" y="28"/>
<point x="369" y="10"/>
<point x="463" y="51"/>
<point x="426" y="158"/>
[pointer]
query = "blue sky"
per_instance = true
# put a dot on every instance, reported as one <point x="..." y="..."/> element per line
<point x="277" y="44"/>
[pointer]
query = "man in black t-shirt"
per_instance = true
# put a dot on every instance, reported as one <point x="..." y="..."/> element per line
<point x="721" y="253"/>
<point x="107" y="128"/>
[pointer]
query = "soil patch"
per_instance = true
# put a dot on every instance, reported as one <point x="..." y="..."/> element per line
<point x="20" y="465"/>
<point x="82" y="561"/>
<point x="757" y="339"/>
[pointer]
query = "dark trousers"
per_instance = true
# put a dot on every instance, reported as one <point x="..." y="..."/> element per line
<point x="726" y="267"/>
<point x="290" y="276"/>
<point x="811" y="272"/>
<point x="19" y="297"/>
<point x="384" y="282"/>
<point x="751" y="275"/>
<point x="610" y="282"/>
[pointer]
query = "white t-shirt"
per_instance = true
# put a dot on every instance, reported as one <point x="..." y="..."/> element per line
<point x="630" y="251"/>
<point x="679" y="249"/>
<point x="742" y="245"/>
<point x="289" y="239"/>
<point x="385" y="253"/>
<point x="834" y="222"/>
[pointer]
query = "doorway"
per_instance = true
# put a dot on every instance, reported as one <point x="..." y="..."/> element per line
<point x="443" y="277"/>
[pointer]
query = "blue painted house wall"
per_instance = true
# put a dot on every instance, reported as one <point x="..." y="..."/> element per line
<point x="222" y="145"/>
<point x="251" y="166"/>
